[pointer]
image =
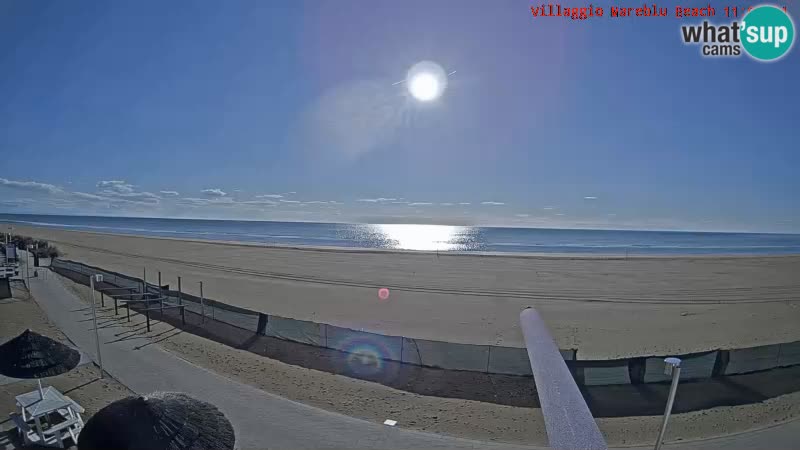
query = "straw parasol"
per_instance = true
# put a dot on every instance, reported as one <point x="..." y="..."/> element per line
<point x="162" y="420"/>
<point x="31" y="355"/>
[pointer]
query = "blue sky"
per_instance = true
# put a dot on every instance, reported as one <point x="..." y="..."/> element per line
<point x="287" y="110"/>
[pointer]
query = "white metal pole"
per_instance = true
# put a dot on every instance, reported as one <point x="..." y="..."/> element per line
<point x="673" y="366"/>
<point x="94" y="319"/>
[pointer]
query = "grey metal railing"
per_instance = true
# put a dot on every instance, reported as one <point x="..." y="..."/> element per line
<point x="569" y="423"/>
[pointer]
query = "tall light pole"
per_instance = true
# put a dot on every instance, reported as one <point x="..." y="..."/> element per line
<point x="672" y="367"/>
<point x="28" y="265"/>
<point x="99" y="279"/>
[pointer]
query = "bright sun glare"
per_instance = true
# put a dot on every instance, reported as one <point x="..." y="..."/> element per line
<point x="426" y="81"/>
<point x="424" y="87"/>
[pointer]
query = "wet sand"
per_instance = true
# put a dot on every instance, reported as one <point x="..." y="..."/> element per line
<point x="605" y="307"/>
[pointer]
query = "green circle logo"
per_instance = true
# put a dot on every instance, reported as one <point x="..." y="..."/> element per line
<point x="767" y="33"/>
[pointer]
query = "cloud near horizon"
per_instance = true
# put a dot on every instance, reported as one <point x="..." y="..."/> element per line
<point x="30" y="185"/>
<point x="376" y="200"/>
<point x="119" y="197"/>
<point x="216" y="192"/>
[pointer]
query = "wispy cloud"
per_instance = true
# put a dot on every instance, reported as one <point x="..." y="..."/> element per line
<point x="88" y="196"/>
<point x="420" y="204"/>
<point x="400" y="203"/>
<point x="446" y="204"/>
<point x="258" y="202"/>
<point x="316" y="202"/>
<point x="290" y="201"/>
<point x="269" y="196"/>
<point x="548" y="208"/>
<point x="118" y="186"/>
<point x="170" y="193"/>
<point x="216" y="192"/>
<point x="376" y="200"/>
<point x="559" y="214"/>
<point x="590" y="198"/>
<point x="465" y="203"/>
<point x="30" y="186"/>
<point x="522" y="215"/>
<point x="194" y="201"/>
<point x="121" y="190"/>
<point x="493" y="203"/>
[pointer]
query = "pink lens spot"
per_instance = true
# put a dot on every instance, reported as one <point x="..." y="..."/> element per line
<point x="383" y="294"/>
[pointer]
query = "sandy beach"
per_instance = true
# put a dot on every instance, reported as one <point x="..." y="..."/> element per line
<point x="451" y="416"/>
<point x="604" y="307"/>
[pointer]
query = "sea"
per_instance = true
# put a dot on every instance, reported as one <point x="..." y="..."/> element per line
<point x="440" y="238"/>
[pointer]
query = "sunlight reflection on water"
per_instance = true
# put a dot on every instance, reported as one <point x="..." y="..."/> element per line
<point x="425" y="237"/>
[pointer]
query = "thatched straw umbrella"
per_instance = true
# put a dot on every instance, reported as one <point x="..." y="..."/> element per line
<point x="31" y="355"/>
<point x="162" y="420"/>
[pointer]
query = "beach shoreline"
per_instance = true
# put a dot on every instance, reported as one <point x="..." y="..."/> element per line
<point x="367" y="250"/>
<point x="605" y="308"/>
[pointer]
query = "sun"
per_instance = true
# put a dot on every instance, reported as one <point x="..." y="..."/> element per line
<point x="426" y="81"/>
<point x="424" y="87"/>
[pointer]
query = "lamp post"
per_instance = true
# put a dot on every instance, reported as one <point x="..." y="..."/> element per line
<point x="28" y="264"/>
<point x="99" y="279"/>
<point x="672" y="367"/>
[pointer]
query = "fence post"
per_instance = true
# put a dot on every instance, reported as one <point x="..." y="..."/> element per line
<point x="144" y="280"/>
<point x="160" y="290"/>
<point x="116" y="311"/>
<point x="128" y="308"/>
<point x="183" y="315"/>
<point x="102" y="299"/>
<point x="147" y="314"/>
<point x="202" y="305"/>
<point x="262" y="324"/>
<point x="180" y="302"/>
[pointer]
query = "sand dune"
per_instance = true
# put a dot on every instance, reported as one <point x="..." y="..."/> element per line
<point x="604" y="307"/>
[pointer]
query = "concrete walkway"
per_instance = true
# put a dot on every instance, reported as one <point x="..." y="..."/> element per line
<point x="263" y="420"/>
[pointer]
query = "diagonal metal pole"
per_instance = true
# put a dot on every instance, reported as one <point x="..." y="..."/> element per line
<point x="569" y="423"/>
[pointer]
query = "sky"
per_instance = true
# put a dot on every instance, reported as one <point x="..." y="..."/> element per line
<point x="293" y="110"/>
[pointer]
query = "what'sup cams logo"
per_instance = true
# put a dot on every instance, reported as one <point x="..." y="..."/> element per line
<point x="766" y="34"/>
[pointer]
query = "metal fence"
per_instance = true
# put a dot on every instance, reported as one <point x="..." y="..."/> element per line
<point x="445" y="355"/>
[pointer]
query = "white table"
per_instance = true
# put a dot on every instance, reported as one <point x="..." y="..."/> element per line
<point x="35" y="405"/>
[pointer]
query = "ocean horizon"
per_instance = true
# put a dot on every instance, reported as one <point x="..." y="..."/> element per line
<point x="430" y="237"/>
